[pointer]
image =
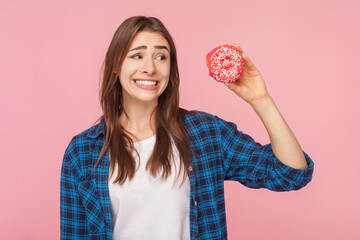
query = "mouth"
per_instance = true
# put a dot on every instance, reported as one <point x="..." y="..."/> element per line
<point x="146" y="83"/>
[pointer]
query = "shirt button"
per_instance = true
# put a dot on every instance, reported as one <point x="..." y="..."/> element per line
<point x="190" y="168"/>
<point x="195" y="203"/>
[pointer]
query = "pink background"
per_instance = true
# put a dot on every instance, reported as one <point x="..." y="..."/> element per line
<point x="307" y="52"/>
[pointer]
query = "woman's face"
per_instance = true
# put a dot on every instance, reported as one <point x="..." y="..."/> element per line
<point x="146" y="68"/>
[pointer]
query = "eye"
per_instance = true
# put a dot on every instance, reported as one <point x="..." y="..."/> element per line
<point x="136" y="56"/>
<point x="162" y="57"/>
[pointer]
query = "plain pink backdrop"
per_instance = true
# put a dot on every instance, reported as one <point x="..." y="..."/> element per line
<point x="307" y="52"/>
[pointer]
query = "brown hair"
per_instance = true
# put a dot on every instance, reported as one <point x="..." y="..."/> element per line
<point x="169" y="117"/>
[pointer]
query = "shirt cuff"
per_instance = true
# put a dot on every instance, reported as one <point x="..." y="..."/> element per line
<point x="297" y="177"/>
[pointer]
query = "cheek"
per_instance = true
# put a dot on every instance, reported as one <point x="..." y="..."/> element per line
<point x="165" y="71"/>
<point x="128" y="69"/>
<point x="125" y="78"/>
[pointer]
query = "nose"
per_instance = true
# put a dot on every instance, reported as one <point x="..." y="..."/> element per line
<point x="148" y="66"/>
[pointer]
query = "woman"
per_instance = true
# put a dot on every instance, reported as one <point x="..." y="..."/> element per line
<point x="120" y="178"/>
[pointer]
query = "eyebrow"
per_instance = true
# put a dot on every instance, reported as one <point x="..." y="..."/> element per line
<point x="144" y="47"/>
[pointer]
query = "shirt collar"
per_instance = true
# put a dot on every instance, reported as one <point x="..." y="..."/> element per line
<point x="97" y="129"/>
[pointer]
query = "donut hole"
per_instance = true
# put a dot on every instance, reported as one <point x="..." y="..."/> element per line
<point x="227" y="62"/>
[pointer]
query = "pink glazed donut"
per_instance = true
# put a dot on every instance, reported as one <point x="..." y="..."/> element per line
<point x="225" y="63"/>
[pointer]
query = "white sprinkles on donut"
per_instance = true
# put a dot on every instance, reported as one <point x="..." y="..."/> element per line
<point x="226" y="64"/>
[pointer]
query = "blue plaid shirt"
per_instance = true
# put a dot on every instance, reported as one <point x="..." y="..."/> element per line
<point x="220" y="152"/>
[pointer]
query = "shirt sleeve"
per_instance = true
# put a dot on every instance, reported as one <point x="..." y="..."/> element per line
<point x="72" y="212"/>
<point x="255" y="165"/>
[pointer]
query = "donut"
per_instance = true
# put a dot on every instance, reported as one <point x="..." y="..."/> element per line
<point x="225" y="63"/>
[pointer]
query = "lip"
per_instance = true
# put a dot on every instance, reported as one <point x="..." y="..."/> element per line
<point x="145" y="86"/>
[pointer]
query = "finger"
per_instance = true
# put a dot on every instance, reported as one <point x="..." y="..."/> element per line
<point x="238" y="48"/>
<point x="234" y="87"/>
<point x="248" y="63"/>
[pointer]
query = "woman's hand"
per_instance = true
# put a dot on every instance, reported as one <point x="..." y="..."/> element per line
<point x="250" y="86"/>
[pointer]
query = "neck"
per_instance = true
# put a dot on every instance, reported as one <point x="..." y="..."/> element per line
<point x="138" y="117"/>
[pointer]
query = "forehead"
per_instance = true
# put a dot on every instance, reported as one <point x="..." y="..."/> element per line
<point x="149" y="39"/>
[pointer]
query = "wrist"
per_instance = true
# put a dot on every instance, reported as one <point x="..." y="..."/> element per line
<point x="262" y="103"/>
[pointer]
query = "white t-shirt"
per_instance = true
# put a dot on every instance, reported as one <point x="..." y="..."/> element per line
<point x="148" y="208"/>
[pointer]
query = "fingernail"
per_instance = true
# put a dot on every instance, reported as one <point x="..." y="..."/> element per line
<point x="227" y="84"/>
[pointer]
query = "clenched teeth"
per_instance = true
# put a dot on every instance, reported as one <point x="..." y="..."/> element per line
<point x="147" y="83"/>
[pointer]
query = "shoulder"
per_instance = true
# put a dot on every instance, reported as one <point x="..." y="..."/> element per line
<point x="83" y="140"/>
<point x="196" y="117"/>
<point x="200" y="122"/>
<point x="96" y="130"/>
<point x="200" y="118"/>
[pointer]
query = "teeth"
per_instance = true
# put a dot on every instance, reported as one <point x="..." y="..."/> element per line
<point x="147" y="83"/>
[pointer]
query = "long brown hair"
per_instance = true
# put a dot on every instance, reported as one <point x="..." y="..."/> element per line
<point x="169" y="117"/>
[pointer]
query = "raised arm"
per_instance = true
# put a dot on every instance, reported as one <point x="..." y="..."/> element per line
<point x="250" y="86"/>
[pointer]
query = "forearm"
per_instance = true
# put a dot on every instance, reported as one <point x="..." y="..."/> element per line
<point x="283" y="141"/>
